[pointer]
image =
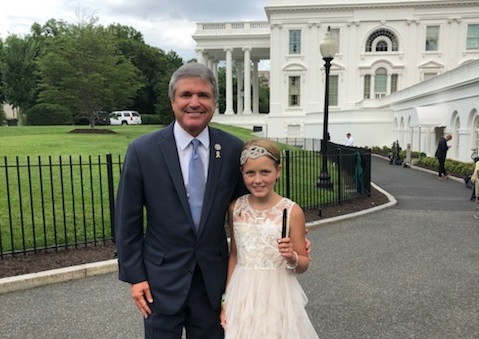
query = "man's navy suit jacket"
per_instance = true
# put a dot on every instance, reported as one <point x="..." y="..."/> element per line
<point x="167" y="252"/>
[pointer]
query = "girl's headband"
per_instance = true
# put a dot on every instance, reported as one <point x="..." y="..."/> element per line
<point x="255" y="152"/>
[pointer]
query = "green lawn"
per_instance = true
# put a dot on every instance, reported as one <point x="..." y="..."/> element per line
<point x="57" y="140"/>
<point x="33" y="141"/>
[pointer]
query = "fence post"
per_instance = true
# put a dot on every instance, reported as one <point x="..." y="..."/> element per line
<point x="288" y="175"/>
<point x="111" y="194"/>
<point x="340" y="191"/>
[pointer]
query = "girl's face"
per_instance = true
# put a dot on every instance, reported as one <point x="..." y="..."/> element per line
<point x="260" y="176"/>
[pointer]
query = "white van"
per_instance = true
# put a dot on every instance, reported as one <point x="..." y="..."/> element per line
<point x="125" y="118"/>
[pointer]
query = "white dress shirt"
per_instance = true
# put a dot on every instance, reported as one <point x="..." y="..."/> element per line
<point x="184" y="148"/>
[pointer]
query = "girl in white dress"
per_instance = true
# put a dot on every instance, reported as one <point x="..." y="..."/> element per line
<point x="263" y="297"/>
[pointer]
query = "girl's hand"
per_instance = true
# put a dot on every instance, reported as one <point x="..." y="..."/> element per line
<point x="285" y="247"/>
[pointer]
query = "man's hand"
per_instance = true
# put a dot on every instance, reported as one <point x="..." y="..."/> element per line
<point x="142" y="296"/>
<point x="308" y="245"/>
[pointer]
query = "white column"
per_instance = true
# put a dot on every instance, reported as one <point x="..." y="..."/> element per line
<point x="372" y="94"/>
<point x="214" y="68"/>
<point x="229" y="82"/>
<point x="255" y="88"/>
<point x="199" y="56"/>
<point x="215" y="73"/>
<point x="277" y="83"/>
<point x="388" y="83"/>
<point x="463" y="143"/>
<point x="206" y="59"/>
<point x="239" y="87"/>
<point x="247" y="80"/>
<point x="211" y="63"/>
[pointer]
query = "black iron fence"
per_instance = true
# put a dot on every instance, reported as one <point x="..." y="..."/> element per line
<point x="52" y="203"/>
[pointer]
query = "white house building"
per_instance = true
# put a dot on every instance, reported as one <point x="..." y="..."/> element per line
<point x="406" y="70"/>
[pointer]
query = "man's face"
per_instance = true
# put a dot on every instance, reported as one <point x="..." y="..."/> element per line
<point x="193" y="104"/>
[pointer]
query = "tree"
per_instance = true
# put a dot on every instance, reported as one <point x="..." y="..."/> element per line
<point x="19" y="72"/>
<point x="263" y="95"/>
<point x="84" y="71"/>
<point x="2" y="97"/>
<point x="149" y="60"/>
<point x="162" y="106"/>
<point x="156" y="67"/>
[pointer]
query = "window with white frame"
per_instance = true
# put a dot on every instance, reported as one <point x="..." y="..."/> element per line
<point x="295" y="41"/>
<point x="394" y="83"/>
<point x="472" y="36"/>
<point x="432" y="38"/>
<point x="333" y="90"/>
<point x="294" y="91"/>
<point x="367" y="86"/>
<point x="382" y="40"/>
<point x="381" y="46"/>
<point x="380" y="83"/>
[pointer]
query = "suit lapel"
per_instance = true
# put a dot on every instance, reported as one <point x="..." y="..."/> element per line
<point x="214" y="169"/>
<point x="168" y="149"/>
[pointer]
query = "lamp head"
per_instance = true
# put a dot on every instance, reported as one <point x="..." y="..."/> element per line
<point x="329" y="46"/>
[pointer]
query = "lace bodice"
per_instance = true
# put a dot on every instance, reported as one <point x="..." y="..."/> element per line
<point x="256" y="234"/>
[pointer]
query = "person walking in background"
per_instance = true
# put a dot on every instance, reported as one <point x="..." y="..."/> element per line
<point x="441" y="153"/>
<point x="349" y="140"/>
<point x="263" y="297"/>
<point x="177" y="267"/>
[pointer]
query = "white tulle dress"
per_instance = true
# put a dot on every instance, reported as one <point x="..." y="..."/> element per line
<point x="264" y="300"/>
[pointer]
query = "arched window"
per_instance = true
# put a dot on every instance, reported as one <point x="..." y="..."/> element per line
<point x="382" y="46"/>
<point x="381" y="83"/>
<point x="382" y="40"/>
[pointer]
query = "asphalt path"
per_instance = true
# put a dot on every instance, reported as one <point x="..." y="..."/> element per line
<point x="408" y="271"/>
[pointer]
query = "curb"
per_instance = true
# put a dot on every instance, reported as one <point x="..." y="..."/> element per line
<point x="32" y="280"/>
<point x="27" y="281"/>
<point x="392" y="202"/>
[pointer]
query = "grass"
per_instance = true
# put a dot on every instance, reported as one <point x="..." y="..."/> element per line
<point x="56" y="141"/>
<point x="43" y="204"/>
<point x="25" y="141"/>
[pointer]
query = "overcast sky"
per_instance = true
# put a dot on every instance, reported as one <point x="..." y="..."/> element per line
<point x="167" y="24"/>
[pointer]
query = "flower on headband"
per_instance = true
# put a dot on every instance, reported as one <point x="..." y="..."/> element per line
<point x="255" y="152"/>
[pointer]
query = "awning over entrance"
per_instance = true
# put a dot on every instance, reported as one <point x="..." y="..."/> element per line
<point x="428" y="116"/>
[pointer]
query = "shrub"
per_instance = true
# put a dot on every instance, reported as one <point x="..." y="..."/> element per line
<point x="48" y="114"/>
<point x="12" y="122"/>
<point x="453" y="167"/>
<point x="150" y="119"/>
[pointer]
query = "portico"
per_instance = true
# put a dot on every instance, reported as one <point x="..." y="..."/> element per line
<point x="239" y="44"/>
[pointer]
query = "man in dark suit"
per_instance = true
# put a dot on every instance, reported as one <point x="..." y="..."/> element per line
<point x="441" y="153"/>
<point x="176" y="267"/>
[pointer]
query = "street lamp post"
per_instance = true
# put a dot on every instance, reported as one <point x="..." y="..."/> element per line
<point x="328" y="48"/>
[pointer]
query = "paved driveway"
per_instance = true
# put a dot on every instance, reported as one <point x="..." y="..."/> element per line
<point x="410" y="271"/>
